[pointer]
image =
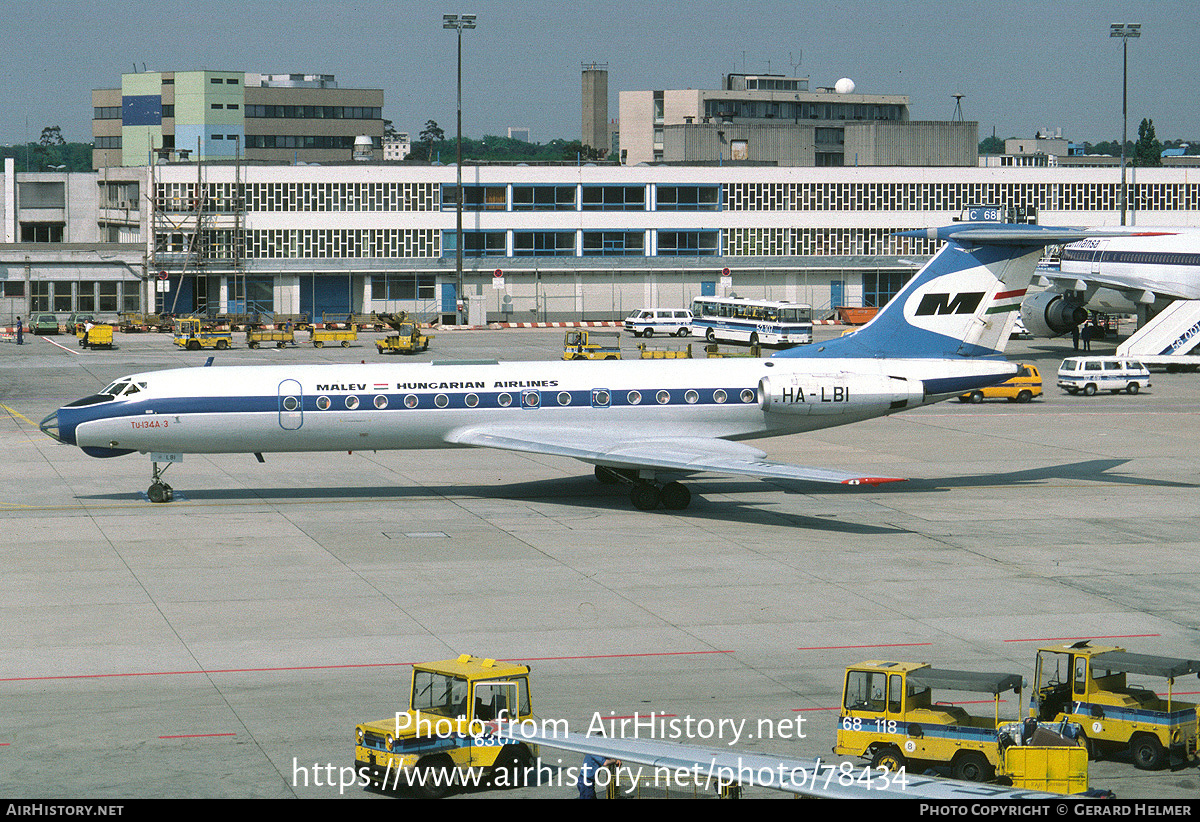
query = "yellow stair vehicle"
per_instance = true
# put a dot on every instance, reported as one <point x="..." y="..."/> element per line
<point x="100" y="336"/>
<point x="1087" y="684"/>
<point x="585" y="344"/>
<point x="890" y="716"/>
<point x="663" y="353"/>
<point x="194" y="334"/>
<point x="441" y="741"/>
<point x="408" y="338"/>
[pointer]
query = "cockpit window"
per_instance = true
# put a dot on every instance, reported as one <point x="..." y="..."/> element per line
<point x="123" y="388"/>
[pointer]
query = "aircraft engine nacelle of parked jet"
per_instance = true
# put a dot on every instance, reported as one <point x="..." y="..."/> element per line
<point x="1051" y="313"/>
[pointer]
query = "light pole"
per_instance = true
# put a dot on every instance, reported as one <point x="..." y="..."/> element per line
<point x="1124" y="31"/>
<point x="458" y="23"/>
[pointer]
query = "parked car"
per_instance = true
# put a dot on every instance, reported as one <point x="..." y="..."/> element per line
<point x="651" y="321"/>
<point x="1092" y="374"/>
<point x="44" y="324"/>
<point x="1026" y="385"/>
<point x="79" y="317"/>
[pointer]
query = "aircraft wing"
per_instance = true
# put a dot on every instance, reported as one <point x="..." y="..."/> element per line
<point x="671" y="762"/>
<point x="685" y="454"/>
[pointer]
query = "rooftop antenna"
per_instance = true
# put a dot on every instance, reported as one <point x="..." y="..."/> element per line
<point x="958" y="115"/>
<point x="796" y="63"/>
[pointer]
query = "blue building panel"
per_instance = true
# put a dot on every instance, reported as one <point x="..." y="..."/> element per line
<point x="141" y="110"/>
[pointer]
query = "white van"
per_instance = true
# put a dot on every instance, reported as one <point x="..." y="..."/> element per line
<point x="650" y="321"/>
<point x="1092" y="374"/>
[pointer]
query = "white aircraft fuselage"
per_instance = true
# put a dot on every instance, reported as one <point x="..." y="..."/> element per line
<point x="1141" y="272"/>
<point x="419" y="406"/>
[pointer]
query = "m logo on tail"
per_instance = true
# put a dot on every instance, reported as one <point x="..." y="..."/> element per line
<point x="942" y="304"/>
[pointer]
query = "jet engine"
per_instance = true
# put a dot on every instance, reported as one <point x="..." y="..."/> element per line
<point x="842" y="393"/>
<point x="1050" y="313"/>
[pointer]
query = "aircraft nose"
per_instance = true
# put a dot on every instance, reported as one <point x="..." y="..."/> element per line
<point x="49" y="427"/>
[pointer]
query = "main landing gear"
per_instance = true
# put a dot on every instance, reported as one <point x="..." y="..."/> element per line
<point x="159" y="491"/>
<point x="646" y="494"/>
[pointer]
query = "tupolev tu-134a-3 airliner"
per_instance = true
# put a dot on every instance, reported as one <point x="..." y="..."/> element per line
<point x="641" y="423"/>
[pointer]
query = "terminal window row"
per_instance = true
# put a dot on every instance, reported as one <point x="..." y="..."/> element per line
<point x="821" y="242"/>
<point x="955" y="196"/>
<point x="298" y="197"/>
<point x="315" y="112"/>
<point x="227" y="244"/>
<point x="581" y="243"/>
<point x="328" y="141"/>
<point x="403" y="286"/>
<point x="727" y="109"/>
<point x="583" y="198"/>
<point x="346" y="243"/>
<point x="109" y="296"/>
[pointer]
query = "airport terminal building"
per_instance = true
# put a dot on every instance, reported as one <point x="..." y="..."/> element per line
<point x="540" y="243"/>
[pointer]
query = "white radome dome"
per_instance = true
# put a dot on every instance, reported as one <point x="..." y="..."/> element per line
<point x="844" y="86"/>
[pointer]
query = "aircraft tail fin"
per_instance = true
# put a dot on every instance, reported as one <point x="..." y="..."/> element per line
<point x="962" y="303"/>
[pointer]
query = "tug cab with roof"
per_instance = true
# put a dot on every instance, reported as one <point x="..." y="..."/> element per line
<point x="193" y="334"/>
<point x="889" y="715"/>
<point x="585" y="344"/>
<point x="408" y="338"/>
<point x="442" y="740"/>
<point x="1088" y="684"/>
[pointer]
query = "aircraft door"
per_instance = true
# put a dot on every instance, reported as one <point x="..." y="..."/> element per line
<point x="291" y="405"/>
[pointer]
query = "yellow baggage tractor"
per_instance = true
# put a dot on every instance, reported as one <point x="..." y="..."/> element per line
<point x="345" y="336"/>
<point x="192" y="335"/>
<point x="431" y="744"/>
<point x="592" y="345"/>
<point x="408" y="338"/>
<point x="891" y="716"/>
<point x="1090" y="684"/>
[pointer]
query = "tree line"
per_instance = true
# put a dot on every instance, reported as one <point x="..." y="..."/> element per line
<point x="1145" y="152"/>
<point x="50" y="153"/>
<point x="432" y="146"/>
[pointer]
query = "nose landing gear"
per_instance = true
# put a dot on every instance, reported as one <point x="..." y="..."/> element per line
<point x="159" y="491"/>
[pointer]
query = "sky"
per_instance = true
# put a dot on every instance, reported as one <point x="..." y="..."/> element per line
<point x="1021" y="66"/>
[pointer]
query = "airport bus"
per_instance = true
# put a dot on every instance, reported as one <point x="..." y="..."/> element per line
<point x="757" y="322"/>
